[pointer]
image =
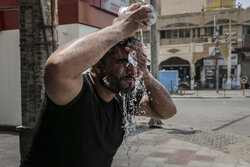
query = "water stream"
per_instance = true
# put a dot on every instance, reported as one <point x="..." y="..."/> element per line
<point x="130" y="104"/>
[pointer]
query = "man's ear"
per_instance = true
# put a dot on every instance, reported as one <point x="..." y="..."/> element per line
<point x="98" y="67"/>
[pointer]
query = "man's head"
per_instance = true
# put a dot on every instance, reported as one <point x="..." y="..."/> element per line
<point x="114" y="70"/>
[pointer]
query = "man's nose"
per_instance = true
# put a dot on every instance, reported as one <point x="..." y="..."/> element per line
<point x="131" y="69"/>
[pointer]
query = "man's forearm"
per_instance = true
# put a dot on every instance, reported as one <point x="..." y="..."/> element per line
<point x="77" y="56"/>
<point x="159" y="99"/>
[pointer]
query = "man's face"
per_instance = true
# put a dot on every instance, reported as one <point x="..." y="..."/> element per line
<point x="117" y="73"/>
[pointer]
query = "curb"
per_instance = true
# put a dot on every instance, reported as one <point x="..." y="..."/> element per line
<point x="8" y="128"/>
<point x="202" y="97"/>
<point x="208" y="97"/>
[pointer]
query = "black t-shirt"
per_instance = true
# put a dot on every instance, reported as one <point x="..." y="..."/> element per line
<point x="84" y="133"/>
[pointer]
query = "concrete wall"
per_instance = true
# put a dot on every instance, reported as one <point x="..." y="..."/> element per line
<point x="10" y="82"/>
<point x="213" y="4"/>
<point x="170" y="7"/>
<point x="71" y="31"/>
<point x="10" y="74"/>
<point x="181" y="51"/>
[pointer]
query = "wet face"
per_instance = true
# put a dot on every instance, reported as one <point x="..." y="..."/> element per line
<point x="117" y="74"/>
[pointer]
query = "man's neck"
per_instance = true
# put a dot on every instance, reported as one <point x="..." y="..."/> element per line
<point x="102" y="91"/>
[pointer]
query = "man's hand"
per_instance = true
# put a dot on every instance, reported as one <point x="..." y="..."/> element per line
<point x="140" y="56"/>
<point x="134" y="18"/>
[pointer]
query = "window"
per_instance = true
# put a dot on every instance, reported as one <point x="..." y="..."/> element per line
<point x="221" y="30"/>
<point x="187" y="33"/>
<point x="168" y="33"/>
<point x="175" y="34"/>
<point x="221" y="21"/>
<point x="248" y="30"/>
<point x="248" y="21"/>
<point x="194" y="32"/>
<point x="209" y="31"/>
<point x="180" y="25"/>
<point x="181" y="33"/>
<point x="198" y="32"/>
<point x="162" y="34"/>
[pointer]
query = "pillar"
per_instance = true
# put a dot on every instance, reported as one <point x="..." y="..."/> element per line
<point x="35" y="46"/>
<point x="192" y="66"/>
<point x="192" y="75"/>
<point x="229" y="69"/>
<point x="229" y="64"/>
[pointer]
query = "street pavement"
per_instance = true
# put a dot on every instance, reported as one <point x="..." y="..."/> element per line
<point x="213" y="94"/>
<point x="179" y="146"/>
<point x="176" y="145"/>
<point x="172" y="145"/>
<point x="230" y="115"/>
<point x="9" y="149"/>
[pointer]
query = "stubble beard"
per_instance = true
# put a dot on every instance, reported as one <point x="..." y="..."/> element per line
<point x="114" y="84"/>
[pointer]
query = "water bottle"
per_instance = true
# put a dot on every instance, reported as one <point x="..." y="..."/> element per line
<point x="149" y="22"/>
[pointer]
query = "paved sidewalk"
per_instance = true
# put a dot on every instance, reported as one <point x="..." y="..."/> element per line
<point x="179" y="146"/>
<point x="9" y="149"/>
<point x="170" y="146"/>
<point x="213" y="94"/>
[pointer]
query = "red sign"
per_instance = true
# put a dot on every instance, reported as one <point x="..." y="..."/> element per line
<point x="7" y="4"/>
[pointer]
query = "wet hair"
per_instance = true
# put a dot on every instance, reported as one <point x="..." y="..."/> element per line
<point x="125" y="41"/>
<point x="122" y="43"/>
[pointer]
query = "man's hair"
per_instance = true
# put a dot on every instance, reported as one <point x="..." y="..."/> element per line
<point x="122" y="43"/>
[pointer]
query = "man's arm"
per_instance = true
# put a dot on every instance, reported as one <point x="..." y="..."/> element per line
<point x="158" y="103"/>
<point x="63" y="69"/>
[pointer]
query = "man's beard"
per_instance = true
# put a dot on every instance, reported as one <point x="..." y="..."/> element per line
<point x="114" y="84"/>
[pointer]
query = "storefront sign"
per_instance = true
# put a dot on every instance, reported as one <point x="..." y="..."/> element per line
<point x="208" y="62"/>
<point x="221" y="62"/>
<point x="113" y="5"/>
<point x="233" y="36"/>
<point x="211" y="51"/>
<point x="234" y="59"/>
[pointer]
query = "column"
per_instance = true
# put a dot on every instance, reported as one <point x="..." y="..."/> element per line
<point x="229" y="64"/>
<point x="192" y="66"/>
<point x="229" y="67"/>
<point x="192" y="75"/>
<point x="36" y="34"/>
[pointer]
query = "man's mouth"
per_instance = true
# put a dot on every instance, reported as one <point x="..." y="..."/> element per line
<point x="129" y="79"/>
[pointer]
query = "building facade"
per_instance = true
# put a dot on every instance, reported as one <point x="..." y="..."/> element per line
<point x="187" y="44"/>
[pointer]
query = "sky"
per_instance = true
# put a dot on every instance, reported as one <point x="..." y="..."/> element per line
<point x="245" y="3"/>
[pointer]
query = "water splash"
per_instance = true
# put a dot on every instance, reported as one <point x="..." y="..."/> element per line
<point x="132" y="59"/>
<point x="130" y="104"/>
<point x="105" y="80"/>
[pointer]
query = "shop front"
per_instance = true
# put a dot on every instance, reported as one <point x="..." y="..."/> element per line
<point x="208" y="73"/>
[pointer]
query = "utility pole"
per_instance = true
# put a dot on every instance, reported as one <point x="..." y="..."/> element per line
<point x="154" y="59"/>
<point x="217" y="53"/>
<point x="38" y="38"/>
<point x="229" y="63"/>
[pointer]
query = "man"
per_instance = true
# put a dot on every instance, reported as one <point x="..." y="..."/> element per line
<point x="81" y="119"/>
